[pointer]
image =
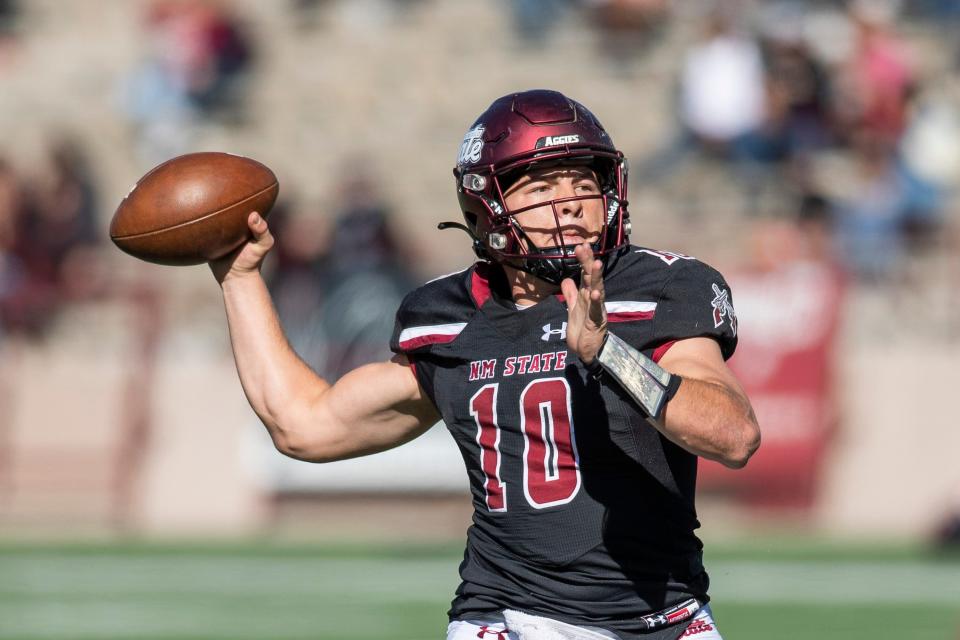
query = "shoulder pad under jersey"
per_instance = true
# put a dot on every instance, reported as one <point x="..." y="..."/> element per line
<point x="435" y="313"/>
<point x="685" y="298"/>
<point x="696" y="301"/>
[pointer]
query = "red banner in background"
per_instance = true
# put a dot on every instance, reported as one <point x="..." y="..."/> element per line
<point x="788" y="319"/>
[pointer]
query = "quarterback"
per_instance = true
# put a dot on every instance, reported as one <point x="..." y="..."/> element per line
<point x="581" y="377"/>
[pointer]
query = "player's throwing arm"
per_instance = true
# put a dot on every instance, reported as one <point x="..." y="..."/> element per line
<point x="306" y="416"/>
<point x="211" y="207"/>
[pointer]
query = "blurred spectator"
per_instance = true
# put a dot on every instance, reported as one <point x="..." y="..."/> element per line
<point x="947" y="534"/>
<point x="722" y="99"/>
<point x="876" y="202"/>
<point x="754" y="99"/>
<point x="722" y="91"/>
<point x="627" y="27"/>
<point x="815" y="224"/>
<point x="9" y="13"/>
<point x="308" y="14"/>
<point x="368" y="275"/>
<point x="9" y="17"/>
<point x="943" y="13"/>
<point x="12" y="205"/>
<point x="930" y="154"/>
<point x="51" y="258"/>
<point x="203" y="49"/>
<point x="337" y="291"/>
<point x="362" y="237"/>
<point x="294" y="274"/>
<point x="64" y="203"/>
<point x="797" y="115"/>
<point x="875" y="83"/>
<point x="196" y="68"/>
<point x="534" y="19"/>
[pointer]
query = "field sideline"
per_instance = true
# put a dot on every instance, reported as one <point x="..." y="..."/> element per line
<point x="761" y="591"/>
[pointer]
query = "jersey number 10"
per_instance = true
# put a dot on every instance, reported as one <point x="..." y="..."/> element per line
<point x="551" y="474"/>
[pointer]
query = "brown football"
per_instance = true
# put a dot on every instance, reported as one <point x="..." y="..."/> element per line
<point x="193" y="208"/>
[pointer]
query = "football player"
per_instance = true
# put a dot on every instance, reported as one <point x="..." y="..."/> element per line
<point x="580" y="376"/>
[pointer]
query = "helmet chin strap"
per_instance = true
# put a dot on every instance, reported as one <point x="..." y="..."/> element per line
<point x="552" y="270"/>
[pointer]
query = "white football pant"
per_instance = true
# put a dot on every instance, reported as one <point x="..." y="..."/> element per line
<point x="522" y="626"/>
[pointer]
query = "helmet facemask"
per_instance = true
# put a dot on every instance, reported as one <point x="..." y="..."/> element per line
<point x="505" y="240"/>
<point x="524" y="132"/>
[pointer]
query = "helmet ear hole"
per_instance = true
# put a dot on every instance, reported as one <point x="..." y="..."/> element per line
<point x="497" y="241"/>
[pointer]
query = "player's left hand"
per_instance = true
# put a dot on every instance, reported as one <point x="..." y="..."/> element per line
<point x="586" y="314"/>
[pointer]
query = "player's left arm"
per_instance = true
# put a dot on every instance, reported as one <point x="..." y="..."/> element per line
<point x="710" y="415"/>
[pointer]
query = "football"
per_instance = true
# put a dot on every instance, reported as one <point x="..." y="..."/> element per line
<point x="193" y="208"/>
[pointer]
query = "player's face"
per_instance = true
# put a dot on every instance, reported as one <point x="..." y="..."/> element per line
<point x="572" y="222"/>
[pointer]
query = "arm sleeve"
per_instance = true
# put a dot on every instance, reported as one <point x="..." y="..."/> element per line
<point x="697" y="302"/>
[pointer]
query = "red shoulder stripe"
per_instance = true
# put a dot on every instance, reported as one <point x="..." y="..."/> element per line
<point x="479" y="285"/>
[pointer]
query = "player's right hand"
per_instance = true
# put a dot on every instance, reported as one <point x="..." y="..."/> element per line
<point x="247" y="259"/>
<point x="586" y="316"/>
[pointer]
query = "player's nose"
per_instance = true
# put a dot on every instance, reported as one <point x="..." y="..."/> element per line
<point x="569" y="207"/>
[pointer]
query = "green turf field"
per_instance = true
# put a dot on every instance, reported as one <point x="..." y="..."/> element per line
<point x="761" y="591"/>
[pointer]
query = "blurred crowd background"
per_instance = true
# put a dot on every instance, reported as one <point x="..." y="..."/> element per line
<point x="810" y="150"/>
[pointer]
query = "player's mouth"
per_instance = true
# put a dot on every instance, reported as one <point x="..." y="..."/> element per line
<point x="572" y="236"/>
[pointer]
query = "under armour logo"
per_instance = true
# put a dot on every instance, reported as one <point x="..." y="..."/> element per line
<point x="500" y="633"/>
<point x="549" y="331"/>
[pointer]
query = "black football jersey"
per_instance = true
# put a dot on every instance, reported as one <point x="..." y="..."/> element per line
<point x="583" y="512"/>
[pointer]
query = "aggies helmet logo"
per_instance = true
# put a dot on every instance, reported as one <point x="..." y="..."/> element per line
<point x="551" y="141"/>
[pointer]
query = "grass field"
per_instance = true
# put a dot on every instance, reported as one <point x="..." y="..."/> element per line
<point x="761" y="591"/>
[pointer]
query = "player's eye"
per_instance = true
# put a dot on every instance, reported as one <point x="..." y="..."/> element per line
<point x="538" y="187"/>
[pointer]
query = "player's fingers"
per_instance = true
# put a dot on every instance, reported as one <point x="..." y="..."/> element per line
<point x="258" y="226"/>
<point x="585" y="256"/>
<point x="569" y="290"/>
<point x="259" y="229"/>
<point x="596" y="277"/>
<point x="596" y="310"/>
<point x="584" y="281"/>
